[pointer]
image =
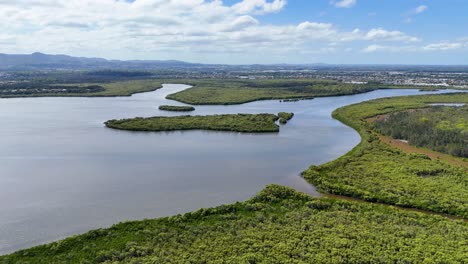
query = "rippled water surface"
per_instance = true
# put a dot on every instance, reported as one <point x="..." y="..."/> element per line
<point x="62" y="172"/>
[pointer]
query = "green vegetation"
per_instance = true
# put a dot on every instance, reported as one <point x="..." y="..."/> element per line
<point x="206" y="91"/>
<point x="441" y="128"/>
<point x="177" y="108"/>
<point x="119" y="88"/>
<point x="279" y="225"/>
<point x="251" y="123"/>
<point x="376" y="172"/>
<point x="285" y="117"/>
<point x="243" y="91"/>
<point x="429" y="89"/>
<point x="127" y="88"/>
<point x="237" y="91"/>
<point x="292" y="100"/>
<point x="24" y="90"/>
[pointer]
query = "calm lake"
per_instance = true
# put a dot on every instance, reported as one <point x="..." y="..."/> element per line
<point x="62" y="172"/>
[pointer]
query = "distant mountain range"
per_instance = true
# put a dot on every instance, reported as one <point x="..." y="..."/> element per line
<point x="41" y="61"/>
<point x="38" y="60"/>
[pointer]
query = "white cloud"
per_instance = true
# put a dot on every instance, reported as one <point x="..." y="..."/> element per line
<point x="442" y="46"/>
<point x="413" y="12"/>
<point x="240" y="23"/>
<point x="176" y="29"/>
<point x="420" y="9"/>
<point x="344" y="3"/>
<point x="382" y="34"/>
<point x="259" y="6"/>
<point x="432" y="47"/>
<point x="316" y="30"/>
<point x="376" y="48"/>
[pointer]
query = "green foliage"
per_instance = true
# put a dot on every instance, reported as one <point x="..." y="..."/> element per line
<point x="50" y="88"/>
<point x="429" y="89"/>
<point x="177" y="108"/>
<point x="253" y="123"/>
<point x="237" y="91"/>
<point x="285" y="117"/>
<point x="127" y="88"/>
<point x="206" y="91"/>
<point x="279" y="225"/>
<point x="443" y="129"/>
<point x="30" y="89"/>
<point x="377" y="172"/>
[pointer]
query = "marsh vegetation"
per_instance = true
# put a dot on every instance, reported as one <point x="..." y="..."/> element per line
<point x="175" y="108"/>
<point x="377" y="172"/>
<point x="42" y="88"/>
<point x="249" y="123"/>
<point x="242" y="91"/>
<point x="284" y="117"/>
<point x="279" y="225"/>
<point x="440" y="128"/>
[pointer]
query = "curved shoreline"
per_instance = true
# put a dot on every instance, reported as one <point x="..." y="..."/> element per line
<point x="276" y="220"/>
<point x="352" y="188"/>
<point x="309" y="163"/>
<point x="360" y="89"/>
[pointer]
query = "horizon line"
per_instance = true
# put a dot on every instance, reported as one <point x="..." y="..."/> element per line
<point x="235" y="64"/>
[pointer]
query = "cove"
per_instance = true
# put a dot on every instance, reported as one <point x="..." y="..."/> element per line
<point x="62" y="172"/>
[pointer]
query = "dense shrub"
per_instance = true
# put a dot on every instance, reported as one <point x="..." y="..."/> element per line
<point x="279" y="225"/>
<point x="374" y="171"/>
<point x="443" y="129"/>
<point x="253" y="123"/>
<point x="285" y="117"/>
<point x="176" y="108"/>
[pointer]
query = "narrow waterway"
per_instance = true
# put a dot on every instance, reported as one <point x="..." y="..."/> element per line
<point x="62" y="172"/>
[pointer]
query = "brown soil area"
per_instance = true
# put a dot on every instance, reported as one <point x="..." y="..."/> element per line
<point x="407" y="148"/>
<point x="460" y="162"/>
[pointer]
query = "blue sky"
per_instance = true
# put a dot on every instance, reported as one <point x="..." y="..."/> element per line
<point x="442" y="18"/>
<point x="241" y="31"/>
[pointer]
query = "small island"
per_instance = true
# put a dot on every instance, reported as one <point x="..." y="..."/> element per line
<point x="247" y="123"/>
<point x="429" y="89"/>
<point x="175" y="108"/>
<point x="284" y="117"/>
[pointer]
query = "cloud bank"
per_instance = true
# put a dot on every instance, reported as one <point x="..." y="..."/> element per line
<point x="197" y="30"/>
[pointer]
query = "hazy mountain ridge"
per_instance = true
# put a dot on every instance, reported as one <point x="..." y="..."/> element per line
<point x="38" y="60"/>
<point x="41" y="61"/>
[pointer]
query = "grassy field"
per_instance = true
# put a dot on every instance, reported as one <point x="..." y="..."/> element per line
<point x="175" y="108"/>
<point x="375" y="171"/>
<point x="279" y="225"/>
<point x="251" y="123"/>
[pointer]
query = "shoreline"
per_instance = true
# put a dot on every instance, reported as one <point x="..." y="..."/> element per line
<point x="194" y="85"/>
<point x="324" y="194"/>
